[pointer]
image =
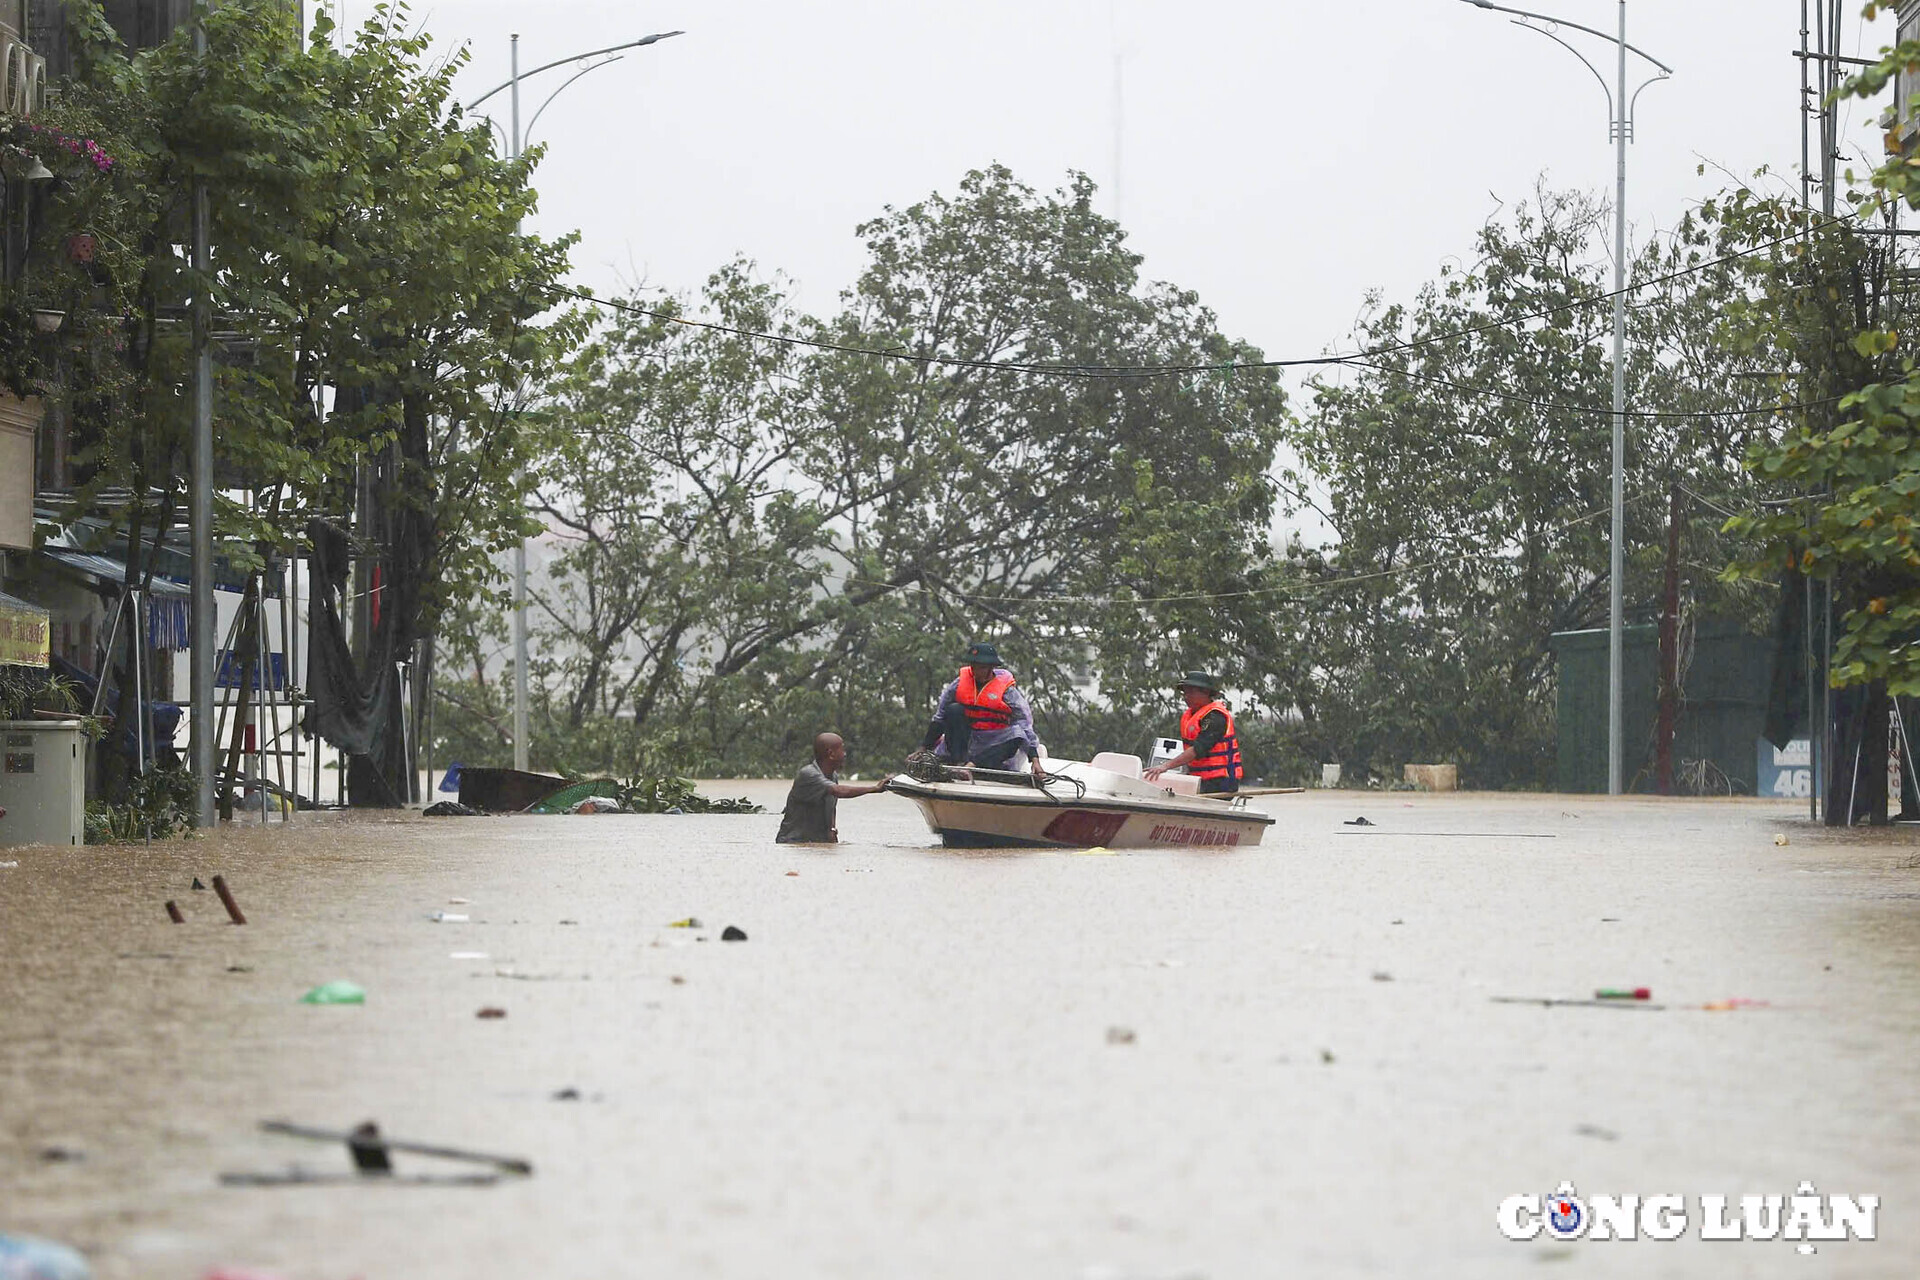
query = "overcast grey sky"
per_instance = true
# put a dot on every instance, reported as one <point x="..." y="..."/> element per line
<point x="1279" y="158"/>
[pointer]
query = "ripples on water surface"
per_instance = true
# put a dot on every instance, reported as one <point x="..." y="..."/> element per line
<point x="907" y="1070"/>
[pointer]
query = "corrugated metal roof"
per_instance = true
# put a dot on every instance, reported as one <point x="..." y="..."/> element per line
<point x="24" y="606"/>
<point x="107" y="569"/>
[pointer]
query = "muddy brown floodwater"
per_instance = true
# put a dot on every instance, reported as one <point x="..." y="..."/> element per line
<point x="919" y="1063"/>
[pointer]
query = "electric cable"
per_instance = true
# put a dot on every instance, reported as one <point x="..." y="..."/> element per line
<point x="1607" y="411"/>
<point x="1285" y="590"/>
<point x="1230" y="367"/>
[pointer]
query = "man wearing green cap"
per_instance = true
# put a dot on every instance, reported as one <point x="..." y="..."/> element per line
<point x="983" y="719"/>
<point x="1210" y="748"/>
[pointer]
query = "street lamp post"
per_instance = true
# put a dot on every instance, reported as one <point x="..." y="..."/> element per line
<point x="607" y="55"/>
<point x="1620" y="112"/>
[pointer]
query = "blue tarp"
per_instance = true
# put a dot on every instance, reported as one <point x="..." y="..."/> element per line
<point x="163" y="718"/>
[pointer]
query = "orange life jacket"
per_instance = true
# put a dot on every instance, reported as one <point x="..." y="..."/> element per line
<point x="1224" y="760"/>
<point x="986" y="707"/>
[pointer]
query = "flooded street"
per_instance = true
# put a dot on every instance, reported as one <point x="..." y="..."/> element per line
<point x="923" y="1063"/>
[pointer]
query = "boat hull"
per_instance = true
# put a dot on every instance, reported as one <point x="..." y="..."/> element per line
<point x="993" y="816"/>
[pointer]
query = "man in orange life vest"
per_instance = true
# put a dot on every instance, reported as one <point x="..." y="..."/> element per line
<point x="982" y="718"/>
<point x="1210" y="749"/>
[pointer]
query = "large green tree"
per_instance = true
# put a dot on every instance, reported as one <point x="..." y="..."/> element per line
<point x="1003" y="433"/>
<point x="369" y="280"/>
<point x="1462" y="465"/>
<point x="1845" y="469"/>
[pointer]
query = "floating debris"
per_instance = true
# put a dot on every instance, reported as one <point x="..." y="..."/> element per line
<point x="1549" y="1002"/>
<point x="372" y="1157"/>
<point x="226" y="900"/>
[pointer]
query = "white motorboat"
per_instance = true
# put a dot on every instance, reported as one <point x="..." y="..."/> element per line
<point x="1105" y="803"/>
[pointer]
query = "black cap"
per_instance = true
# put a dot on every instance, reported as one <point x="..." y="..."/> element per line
<point x="1197" y="680"/>
<point x="982" y="655"/>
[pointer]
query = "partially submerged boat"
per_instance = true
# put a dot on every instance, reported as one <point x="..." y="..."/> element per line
<point x="1103" y="803"/>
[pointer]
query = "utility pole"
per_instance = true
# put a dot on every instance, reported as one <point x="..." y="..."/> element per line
<point x="202" y="621"/>
<point x="520" y="754"/>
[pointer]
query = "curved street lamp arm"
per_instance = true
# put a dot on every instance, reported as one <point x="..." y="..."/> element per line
<point x="1546" y="17"/>
<point x="1604" y="88"/>
<point x="578" y="57"/>
<point x="591" y="66"/>
<point x="1634" y="101"/>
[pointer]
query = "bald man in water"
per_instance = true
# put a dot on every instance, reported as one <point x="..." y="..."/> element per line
<point x="809" y="817"/>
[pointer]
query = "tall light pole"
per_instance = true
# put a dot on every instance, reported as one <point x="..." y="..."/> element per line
<point x="1620" y="117"/>
<point x="609" y="54"/>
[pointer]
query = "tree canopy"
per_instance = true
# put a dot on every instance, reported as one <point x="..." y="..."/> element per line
<point x="372" y="292"/>
<point x="757" y="538"/>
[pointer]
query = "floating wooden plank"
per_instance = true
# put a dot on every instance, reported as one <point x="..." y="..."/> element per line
<point x="298" y="1177"/>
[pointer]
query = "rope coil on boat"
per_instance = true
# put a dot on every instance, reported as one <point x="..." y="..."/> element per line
<point x="1079" y="787"/>
<point x="924" y="766"/>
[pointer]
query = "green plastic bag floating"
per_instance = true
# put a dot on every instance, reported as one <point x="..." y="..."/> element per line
<point x="335" y="993"/>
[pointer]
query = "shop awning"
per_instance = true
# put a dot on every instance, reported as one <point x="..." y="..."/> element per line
<point x="23" y="633"/>
<point x="167" y="607"/>
<point x="111" y="570"/>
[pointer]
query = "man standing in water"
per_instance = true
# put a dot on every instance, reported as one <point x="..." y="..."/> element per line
<point x="982" y="718"/>
<point x="811" y="813"/>
<point x="1211" y="749"/>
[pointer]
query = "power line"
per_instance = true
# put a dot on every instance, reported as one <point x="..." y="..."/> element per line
<point x="1228" y="368"/>
<point x="1570" y="407"/>
<point x="1286" y="590"/>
